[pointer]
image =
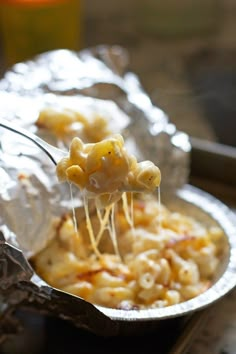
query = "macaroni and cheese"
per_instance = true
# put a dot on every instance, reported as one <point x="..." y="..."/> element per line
<point x="66" y="123"/>
<point x="131" y="252"/>
<point x="165" y="258"/>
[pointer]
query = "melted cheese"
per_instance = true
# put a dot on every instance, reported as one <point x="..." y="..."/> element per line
<point x="103" y="171"/>
<point x="154" y="270"/>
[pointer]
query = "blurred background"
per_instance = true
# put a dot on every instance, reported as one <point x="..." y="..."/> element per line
<point x="183" y="51"/>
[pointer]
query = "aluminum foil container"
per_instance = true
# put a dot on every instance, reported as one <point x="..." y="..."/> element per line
<point x="97" y="80"/>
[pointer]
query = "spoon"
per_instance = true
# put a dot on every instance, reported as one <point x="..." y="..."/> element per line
<point x="51" y="151"/>
<point x="56" y="154"/>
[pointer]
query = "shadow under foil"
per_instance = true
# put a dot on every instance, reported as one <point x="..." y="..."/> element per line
<point x="49" y="335"/>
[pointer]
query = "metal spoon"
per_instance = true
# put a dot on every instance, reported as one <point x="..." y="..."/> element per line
<point x="51" y="151"/>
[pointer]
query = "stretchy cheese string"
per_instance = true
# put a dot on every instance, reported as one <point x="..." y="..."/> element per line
<point x="159" y="209"/>
<point x="132" y="208"/>
<point x="127" y="211"/>
<point x="98" y="210"/>
<point x="113" y="231"/>
<point x="73" y="210"/>
<point x="90" y="228"/>
<point x="103" y="223"/>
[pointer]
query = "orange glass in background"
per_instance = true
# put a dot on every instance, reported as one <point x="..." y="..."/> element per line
<point x="30" y="27"/>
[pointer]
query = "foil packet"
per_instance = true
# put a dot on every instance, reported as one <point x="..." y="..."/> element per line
<point x="101" y="73"/>
<point x="95" y="79"/>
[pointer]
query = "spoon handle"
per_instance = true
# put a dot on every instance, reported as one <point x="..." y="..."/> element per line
<point x="52" y="152"/>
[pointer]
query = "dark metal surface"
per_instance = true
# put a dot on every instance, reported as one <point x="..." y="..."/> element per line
<point x="48" y="335"/>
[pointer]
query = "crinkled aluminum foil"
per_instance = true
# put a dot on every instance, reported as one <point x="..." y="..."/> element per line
<point x="102" y="72"/>
<point x="30" y="196"/>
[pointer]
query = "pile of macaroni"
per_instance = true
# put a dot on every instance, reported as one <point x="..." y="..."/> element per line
<point x="164" y="259"/>
<point x="67" y="123"/>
